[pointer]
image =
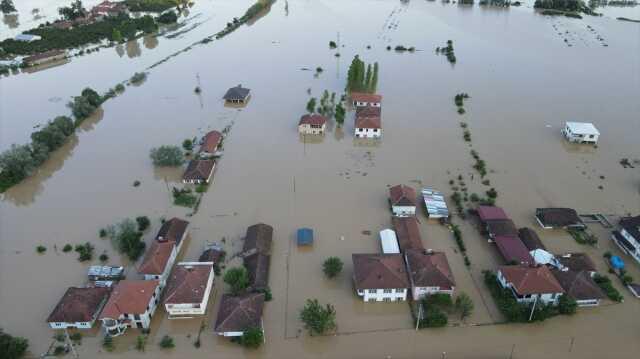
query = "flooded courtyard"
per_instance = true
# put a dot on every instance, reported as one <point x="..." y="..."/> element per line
<point x="524" y="80"/>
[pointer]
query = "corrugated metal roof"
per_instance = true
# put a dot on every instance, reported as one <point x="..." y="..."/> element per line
<point x="389" y="242"/>
<point x="435" y="203"/>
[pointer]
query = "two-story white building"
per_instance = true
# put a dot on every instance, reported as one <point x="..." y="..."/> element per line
<point x="429" y="273"/>
<point x="368" y="122"/>
<point x="403" y="200"/>
<point x="188" y="289"/>
<point x="530" y="284"/>
<point x="158" y="261"/>
<point x="78" y="308"/>
<point x="581" y="132"/>
<point x="131" y="305"/>
<point x="380" y="277"/>
<point x="628" y="237"/>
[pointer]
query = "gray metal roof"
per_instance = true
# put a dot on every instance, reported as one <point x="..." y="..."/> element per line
<point x="435" y="203"/>
<point x="237" y="93"/>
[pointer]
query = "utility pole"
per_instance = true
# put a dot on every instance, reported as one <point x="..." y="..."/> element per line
<point x="533" y="307"/>
<point x="513" y="348"/>
<point x="419" y="316"/>
<point x="73" y="349"/>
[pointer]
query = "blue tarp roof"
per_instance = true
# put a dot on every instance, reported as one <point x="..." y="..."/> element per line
<point x="616" y="262"/>
<point x="305" y="236"/>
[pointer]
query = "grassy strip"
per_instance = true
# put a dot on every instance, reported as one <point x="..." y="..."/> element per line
<point x="151" y="5"/>
<point x="252" y="12"/>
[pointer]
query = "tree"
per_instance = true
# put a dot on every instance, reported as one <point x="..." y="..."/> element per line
<point x="107" y="343"/>
<point x="464" y="305"/>
<point x="340" y="112"/>
<point x="311" y="105"/>
<point x="73" y="11"/>
<point x="6" y="6"/>
<point x="167" y="156"/>
<point x="167" y="342"/>
<point x="127" y="238"/>
<point x="252" y="337"/>
<point x="81" y="107"/>
<point x="50" y="136"/>
<point x="567" y="305"/>
<point x="65" y="124"/>
<point x="17" y="163"/>
<point x="168" y="17"/>
<point x="373" y="85"/>
<point x="187" y="145"/>
<point x="368" y="77"/>
<point x="332" y="267"/>
<point x="12" y="347"/>
<point x="237" y="278"/>
<point x="143" y="223"/>
<point x="318" y="319"/>
<point x="147" y="24"/>
<point x="116" y="35"/>
<point x="92" y="96"/>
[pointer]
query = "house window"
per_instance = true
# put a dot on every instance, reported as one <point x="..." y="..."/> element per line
<point x="136" y="317"/>
<point x="400" y="290"/>
<point x="375" y="130"/>
<point x="372" y="290"/>
<point x="591" y="136"/>
<point x="387" y="299"/>
<point x="388" y="290"/>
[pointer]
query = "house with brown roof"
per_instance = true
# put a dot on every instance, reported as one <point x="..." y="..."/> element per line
<point x="361" y="99"/>
<point x="429" y="273"/>
<point x="256" y="254"/>
<point x="559" y="218"/>
<point x="239" y="313"/>
<point x="577" y="262"/>
<point x="501" y="228"/>
<point x="158" y="261"/>
<point x="513" y="250"/>
<point x="78" y="308"/>
<point x="175" y="229"/>
<point x="403" y="200"/>
<point x="407" y="233"/>
<point x="131" y="305"/>
<point x="368" y="122"/>
<point x="380" y="277"/>
<point x="530" y="284"/>
<point x="188" y="289"/>
<point x="530" y="239"/>
<point x="44" y="57"/>
<point x="580" y="286"/>
<point x="628" y="237"/>
<point x="210" y="144"/>
<point x="312" y="124"/>
<point x="490" y="213"/>
<point x="198" y="171"/>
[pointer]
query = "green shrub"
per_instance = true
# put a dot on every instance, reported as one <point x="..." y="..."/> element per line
<point x="41" y="249"/>
<point x="332" y="266"/>
<point x="567" y="305"/>
<point x="252" y="337"/>
<point x="138" y="78"/>
<point x="85" y="251"/>
<point x="104" y="257"/>
<point x="237" y="279"/>
<point x="170" y="156"/>
<point x="107" y="343"/>
<point x="143" y="223"/>
<point x="184" y="197"/>
<point x="167" y="342"/>
<point x="67" y="248"/>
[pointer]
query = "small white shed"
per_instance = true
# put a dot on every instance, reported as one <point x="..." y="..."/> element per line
<point x="389" y="242"/>
<point x="581" y="132"/>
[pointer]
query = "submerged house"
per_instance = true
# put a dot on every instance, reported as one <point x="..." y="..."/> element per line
<point x="530" y="239"/>
<point x="78" y="308"/>
<point x="158" y="261"/>
<point x="188" y="289"/>
<point x="403" y="200"/>
<point x="175" y="229"/>
<point x="580" y="286"/>
<point x="501" y="228"/>
<point x="407" y="233"/>
<point x="256" y="254"/>
<point x="368" y="122"/>
<point x="361" y="99"/>
<point x="429" y="273"/>
<point x="434" y="202"/>
<point x="559" y="218"/>
<point x="581" y="132"/>
<point x="577" y="262"/>
<point x="513" y="250"/>
<point x="628" y="237"/>
<point x="237" y="95"/>
<point x="199" y="171"/>
<point x="312" y="124"/>
<point x="239" y="313"/>
<point x="131" y="305"/>
<point x="210" y="144"/>
<point x="380" y="277"/>
<point x="44" y="57"/>
<point x="530" y="284"/>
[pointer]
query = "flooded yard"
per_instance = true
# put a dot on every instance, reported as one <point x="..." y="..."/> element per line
<point x="524" y="82"/>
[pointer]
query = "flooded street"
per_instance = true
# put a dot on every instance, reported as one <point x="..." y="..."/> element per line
<point x="524" y="82"/>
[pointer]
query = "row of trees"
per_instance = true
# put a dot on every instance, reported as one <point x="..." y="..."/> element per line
<point x="362" y="77"/>
<point x="565" y="5"/>
<point x="21" y="161"/>
<point x="328" y="107"/>
<point x="7" y="7"/>
<point x="74" y="11"/>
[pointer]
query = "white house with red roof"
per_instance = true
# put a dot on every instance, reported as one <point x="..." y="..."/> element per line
<point x="368" y="122"/>
<point x="312" y="124"/>
<point x="530" y="284"/>
<point x="131" y="305"/>
<point x="361" y="99"/>
<point x="188" y="289"/>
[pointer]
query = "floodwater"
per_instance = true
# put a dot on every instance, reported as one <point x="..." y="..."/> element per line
<point x="524" y="82"/>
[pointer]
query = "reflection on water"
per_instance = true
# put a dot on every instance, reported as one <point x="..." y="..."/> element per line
<point x="150" y="41"/>
<point x="120" y="50"/>
<point x="311" y="138"/>
<point x="367" y="142"/>
<point x="26" y="192"/>
<point x="171" y="175"/>
<point x="45" y="66"/>
<point x="338" y="134"/>
<point x="11" y="20"/>
<point x="133" y="49"/>
<point x="260" y="15"/>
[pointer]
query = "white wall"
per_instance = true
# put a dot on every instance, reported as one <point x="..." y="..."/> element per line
<point x="379" y="295"/>
<point x="193" y="308"/>
<point x="547" y="298"/>
<point x="403" y="211"/>
<point x="421" y="292"/>
<point x="368" y="132"/>
<point x="64" y="325"/>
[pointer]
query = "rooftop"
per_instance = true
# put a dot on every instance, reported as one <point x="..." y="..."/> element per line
<point x="312" y="119"/>
<point x="79" y="305"/>
<point x="577" y="262"/>
<point x="305" y="236"/>
<point x="259" y="237"/>
<point x="512" y="250"/>
<point x="172" y="230"/>
<point x="389" y="241"/>
<point x="157" y="257"/>
<point x="502" y="227"/>
<point x="430" y="269"/>
<point x="632" y="226"/>
<point x="401" y="195"/>
<point x="407" y="233"/>
<point x="257" y="265"/>
<point x="366" y="97"/>
<point x="130" y="297"/>
<point x="199" y="170"/>
<point x="578" y="284"/>
<point x="237" y="313"/>
<point x="531" y="280"/>
<point x="188" y="282"/>
<point x="487" y="213"/>
<point x="586" y="128"/>
<point x="237" y="93"/>
<point x="379" y="271"/>
<point x="558" y="217"/>
<point x="211" y="141"/>
<point x="368" y="117"/>
<point x="530" y="239"/>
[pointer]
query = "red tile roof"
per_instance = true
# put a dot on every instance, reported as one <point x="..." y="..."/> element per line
<point x="502" y="227"/>
<point x="490" y="213"/>
<point x="513" y="250"/>
<point x="531" y="280"/>
<point x="129" y="296"/>
<point x="559" y="217"/>
<point x="156" y="258"/>
<point x="237" y="313"/>
<point x="314" y="119"/>
<point x="199" y="170"/>
<point x="259" y="237"/>
<point x="379" y="271"/>
<point x="368" y="117"/>
<point x="188" y="283"/>
<point x="407" y="233"/>
<point x="402" y="195"/>
<point x="429" y="269"/>
<point x="578" y="285"/>
<point x="211" y="141"/>
<point x="172" y="230"/>
<point x="577" y="262"/>
<point x="79" y="305"/>
<point x="366" y="97"/>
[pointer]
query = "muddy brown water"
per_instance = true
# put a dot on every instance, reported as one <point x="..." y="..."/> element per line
<point x="524" y="82"/>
